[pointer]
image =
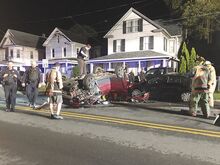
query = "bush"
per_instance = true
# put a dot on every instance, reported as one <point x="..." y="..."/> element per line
<point x="75" y="71"/>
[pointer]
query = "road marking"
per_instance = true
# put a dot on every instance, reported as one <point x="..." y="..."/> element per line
<point x="131" y="122"/>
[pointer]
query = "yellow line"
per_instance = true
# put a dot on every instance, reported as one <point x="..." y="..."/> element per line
<point x="134" y="123"/>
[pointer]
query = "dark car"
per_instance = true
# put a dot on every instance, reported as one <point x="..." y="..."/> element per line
<point x="154" y="72"/>
<point x="169" y="87"/>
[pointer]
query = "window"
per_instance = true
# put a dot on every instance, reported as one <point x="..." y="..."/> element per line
<point x="18" y="53"/>
<point x="31" y="55"/>
<point x="172" y="46"/>
<point x="164" y="44"/>
<point x="131" y="26"/>
<point x="53" y="53"/>
<point x="64" y="52"/>
<point x="58" y="39"/>
<point x="119" y="45"/>
<point x="147" y="43"/>
<point x="11" y="53"/>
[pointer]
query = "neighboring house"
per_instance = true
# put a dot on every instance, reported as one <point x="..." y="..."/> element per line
<point x="136" y="41"/>
<point x="62" y="46"/>
<point x="21" y="48"/>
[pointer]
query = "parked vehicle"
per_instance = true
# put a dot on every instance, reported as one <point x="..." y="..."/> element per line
<point x="170" y="87"/>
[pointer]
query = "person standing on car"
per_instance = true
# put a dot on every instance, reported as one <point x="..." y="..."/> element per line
<point x="200" y="89"/>
<point x="10" y="77"/>
<point x="31" y="80"/>
<point x="54" y="91"/>
<point x="82" y="57"/>
<point x="211" y="68"/>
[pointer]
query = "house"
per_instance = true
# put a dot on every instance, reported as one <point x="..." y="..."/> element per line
<point x="21" y="48"/>
<point x="136" y="42"/>
<point x="62" y="46"/>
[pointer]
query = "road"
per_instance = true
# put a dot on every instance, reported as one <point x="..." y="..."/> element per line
<point x="153" y="133"/>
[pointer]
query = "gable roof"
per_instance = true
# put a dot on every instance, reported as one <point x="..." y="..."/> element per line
<point x="24" y="39"/>
<point x="158" y="24"/>
<point x="70" y="36"/>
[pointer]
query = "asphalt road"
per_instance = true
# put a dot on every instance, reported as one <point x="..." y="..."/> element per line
<point x="29" y="137"/>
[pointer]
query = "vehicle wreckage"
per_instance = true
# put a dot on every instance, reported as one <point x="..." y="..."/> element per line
<point x="101" y="88"/>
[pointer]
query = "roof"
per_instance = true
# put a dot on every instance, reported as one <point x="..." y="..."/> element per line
<point x="172" y="27"/>
<point x="131" y="55"/>
<point x="167" y="28"/>
<point x="26" y="39"/>
<point x="69" y="35"/>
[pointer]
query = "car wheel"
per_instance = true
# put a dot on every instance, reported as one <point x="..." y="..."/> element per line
<point x="185" y="97"/>
<point x="89" y="81"/>
<point x="136" y="93"/>
<point x="98" y="69"/>
<point x="119" y="71"/>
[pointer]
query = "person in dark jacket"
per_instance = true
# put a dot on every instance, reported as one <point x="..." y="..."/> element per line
<point x="10" y="77"/>
<point x="31" y="80"/>
<point x="82" y="57"/>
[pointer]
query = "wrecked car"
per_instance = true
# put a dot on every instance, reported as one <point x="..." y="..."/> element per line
<point x="100" y="87"/>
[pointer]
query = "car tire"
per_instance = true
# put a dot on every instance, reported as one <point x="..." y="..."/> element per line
<point x="119" y="71"/>
<point x="136" y="93"/>
<point x="98" y="69"/>
<point x="89" y="81"/>
<point x="185" y="96"/>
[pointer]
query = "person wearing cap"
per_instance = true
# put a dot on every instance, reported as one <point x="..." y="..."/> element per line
<point x="82" y="57"/>
<point x="10" y="77"/>
<point x="200" y="89"/>
<point x="54" y="91"/>
<point x="212" y="82"/>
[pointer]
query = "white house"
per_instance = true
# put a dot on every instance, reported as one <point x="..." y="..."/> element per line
<point x="62" y="46"/>
<point x="136" y="41"/>
<point x="21" y="48"/>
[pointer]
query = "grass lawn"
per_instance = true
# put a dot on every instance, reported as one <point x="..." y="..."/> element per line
<point x="217" y="95"/>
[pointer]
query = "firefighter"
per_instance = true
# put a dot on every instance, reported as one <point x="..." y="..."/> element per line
<point x="54" y="91"/>
<point x="212" y="87"/>
<point x="200" y="89"/>
<point x="10" y="78"/>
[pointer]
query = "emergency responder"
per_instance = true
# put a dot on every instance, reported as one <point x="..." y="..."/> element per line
<point x="212" y="87"/>
<point x="31" y="80"/>
<point x="10" y="78"/>
<point x="200" y="88"/>
<point x="142" y="75"/>
<point x="54" y="91"/>
<point x="82" y="57"/>
<point x="131" y="77"/>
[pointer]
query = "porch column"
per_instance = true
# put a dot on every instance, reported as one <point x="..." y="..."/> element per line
<point x="109" y="66"/>
<point x="124" y="64"/>
<point x="164" y="63"/>
<point x="66" y="66"/>
<point x="139" y="66"/>
<point x="91" y="67"/>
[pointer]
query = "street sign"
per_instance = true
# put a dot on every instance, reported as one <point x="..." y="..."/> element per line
<point x="45" y="63"/>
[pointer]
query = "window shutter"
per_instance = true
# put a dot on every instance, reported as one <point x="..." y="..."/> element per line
<point x="114" y="45"/>
<point x="140" y="25"/>
<point x="124" y="27"/>
<point x="141" y="43"/>
<point x="123" y="45"/>
<point x="151" y="42"/>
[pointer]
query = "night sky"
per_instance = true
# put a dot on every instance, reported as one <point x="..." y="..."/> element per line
<point x="42" y="16"/>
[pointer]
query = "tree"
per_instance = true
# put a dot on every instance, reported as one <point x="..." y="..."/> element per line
<point x="193" y="57"/>
<point x="200" y="17"/>
<point x="185" y="53"/>
<point x="182" y="69"/>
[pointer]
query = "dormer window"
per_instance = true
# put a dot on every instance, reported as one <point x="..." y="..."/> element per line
<point x="132" y="26"/>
